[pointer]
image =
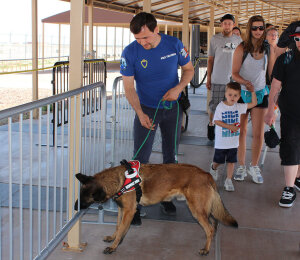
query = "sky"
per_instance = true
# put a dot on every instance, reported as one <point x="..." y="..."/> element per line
<point x="15" y="15"/>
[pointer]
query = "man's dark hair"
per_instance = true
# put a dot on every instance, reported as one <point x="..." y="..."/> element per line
<point x="237" y="28"/>
<point x="234" y="85"/>
<point x="141" y="20"/>
<point x="269" y="25"/>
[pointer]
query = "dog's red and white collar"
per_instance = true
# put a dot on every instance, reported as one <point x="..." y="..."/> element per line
<point x="132" y="180"/>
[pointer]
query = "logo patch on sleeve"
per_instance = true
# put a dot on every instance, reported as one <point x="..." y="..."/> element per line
<point x="184" y="52"/>
<point x="123" y="64"/>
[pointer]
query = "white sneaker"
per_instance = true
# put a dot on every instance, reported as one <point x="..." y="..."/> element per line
<point x="241" y="173"/>
<point x="214" y="173"/>
<point x="255" y="172"/>
<point x="228" y="185"/>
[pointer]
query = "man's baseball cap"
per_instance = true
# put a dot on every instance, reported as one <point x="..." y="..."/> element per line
<point x="286" y="37"/>
<point x="228" y="17"/>
<point x="296" y="32"/>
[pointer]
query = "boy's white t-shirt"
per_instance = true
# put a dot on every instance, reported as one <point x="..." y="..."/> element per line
<point x="224" y="139"/>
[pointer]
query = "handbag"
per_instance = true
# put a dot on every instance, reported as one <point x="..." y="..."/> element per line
<point x="184" y="101"/>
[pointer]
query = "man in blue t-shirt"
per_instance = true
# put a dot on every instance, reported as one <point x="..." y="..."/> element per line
<point x="152" y="62"/>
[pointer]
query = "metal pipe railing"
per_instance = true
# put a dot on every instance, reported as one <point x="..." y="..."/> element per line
<point x="36" y="176"/>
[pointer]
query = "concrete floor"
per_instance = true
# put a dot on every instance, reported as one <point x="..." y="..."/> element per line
<point x="265" y="231"/>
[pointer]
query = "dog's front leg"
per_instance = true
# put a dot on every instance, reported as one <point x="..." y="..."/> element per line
<point x="122" y="229"/>
<point x="111" y="238"/>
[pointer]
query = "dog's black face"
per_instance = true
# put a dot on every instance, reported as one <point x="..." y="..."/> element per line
<point x="90" y="192"/>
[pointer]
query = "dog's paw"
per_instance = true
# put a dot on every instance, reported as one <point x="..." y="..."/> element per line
<point x="108" y="250"/>
<point x="203" y="252"/>
<point x="108" y="239"/>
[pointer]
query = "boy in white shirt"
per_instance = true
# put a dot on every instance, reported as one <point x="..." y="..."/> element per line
<point x="227" y="121"/>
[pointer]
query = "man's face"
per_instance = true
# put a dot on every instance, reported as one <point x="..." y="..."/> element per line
<point x="236" y="32"/>
<point x="272" y="37"/>
<point x="227" y="26"/>
<point x="146" y="38"/>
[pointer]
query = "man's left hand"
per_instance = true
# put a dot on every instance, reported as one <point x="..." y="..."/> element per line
<point x="171" y="95"/>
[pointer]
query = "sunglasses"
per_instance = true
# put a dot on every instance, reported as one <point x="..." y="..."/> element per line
<point x="297" y="38"/>
<point x="254" y="28"/>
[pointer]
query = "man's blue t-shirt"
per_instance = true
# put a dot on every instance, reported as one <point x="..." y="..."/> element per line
<point x="154" y="70"/>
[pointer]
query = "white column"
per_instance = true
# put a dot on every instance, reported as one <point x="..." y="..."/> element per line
<point x="147" y="6"/>
<point x="185" y="25"/>
<point x="35" y="92"/>
<point x="76" y="69"/>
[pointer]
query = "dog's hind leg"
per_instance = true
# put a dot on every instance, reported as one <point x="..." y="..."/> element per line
<point x="201" y="215"/>
<point x="111" y="238"/>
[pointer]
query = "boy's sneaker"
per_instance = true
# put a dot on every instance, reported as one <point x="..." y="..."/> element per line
<point x="241" y="173"/>
<point x="254" y="171"/>
<point x="287" y="198"/>
<point x="211" y="132"/>
<point x="297" y="184"/>
<point x="228" y="185"/>
<point x="214" y="173"/>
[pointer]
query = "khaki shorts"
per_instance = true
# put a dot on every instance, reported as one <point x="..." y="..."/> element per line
<point x="217" y="95"/>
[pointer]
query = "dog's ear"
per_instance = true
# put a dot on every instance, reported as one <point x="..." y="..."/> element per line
<point x="99" y="195"/>
<point x="84" y="179"/>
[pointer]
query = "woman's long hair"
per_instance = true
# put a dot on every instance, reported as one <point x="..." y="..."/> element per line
<point x="248" y="45"/>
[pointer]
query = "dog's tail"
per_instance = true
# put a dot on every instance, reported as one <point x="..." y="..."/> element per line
<point x="220" y="213"/>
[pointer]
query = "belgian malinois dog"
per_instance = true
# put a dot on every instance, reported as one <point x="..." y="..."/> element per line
<point x="160" y="182"/>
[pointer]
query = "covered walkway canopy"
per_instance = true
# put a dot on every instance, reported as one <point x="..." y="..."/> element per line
<point x="277" y="12"/>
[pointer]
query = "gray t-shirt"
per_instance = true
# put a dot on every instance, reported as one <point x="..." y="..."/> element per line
<point x="222" y="48"/>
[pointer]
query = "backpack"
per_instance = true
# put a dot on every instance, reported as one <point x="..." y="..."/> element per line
<point x="266" y="48"/>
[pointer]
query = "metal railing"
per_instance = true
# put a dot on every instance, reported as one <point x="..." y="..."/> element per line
<point x="94" y="71"/>
<point x="34" y="179"/>
<point x="122" y="117"/>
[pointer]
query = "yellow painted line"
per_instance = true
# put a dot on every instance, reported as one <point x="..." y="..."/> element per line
<point x="46" y="68"/>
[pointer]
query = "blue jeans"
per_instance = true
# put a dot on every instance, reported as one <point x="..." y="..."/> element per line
<point x="166" y="120"/>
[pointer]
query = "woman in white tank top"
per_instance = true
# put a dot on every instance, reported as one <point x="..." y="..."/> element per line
<point x="250" y="72"/>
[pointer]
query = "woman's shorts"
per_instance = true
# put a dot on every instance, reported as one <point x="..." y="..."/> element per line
<point x="264" y="103"/>
<point x="289" y="150"/>
<point x="228" y="155"/>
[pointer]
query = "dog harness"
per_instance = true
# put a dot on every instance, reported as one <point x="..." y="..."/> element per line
<point x="132" y="179"/>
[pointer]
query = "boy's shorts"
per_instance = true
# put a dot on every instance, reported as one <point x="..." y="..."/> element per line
<point x="217" y="95"/>
<point x="228" y="155"/>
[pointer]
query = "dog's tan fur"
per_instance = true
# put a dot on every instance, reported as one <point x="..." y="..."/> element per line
<point x="160" y="182"/>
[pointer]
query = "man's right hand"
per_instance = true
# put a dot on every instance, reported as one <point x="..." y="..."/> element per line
<point x="208" y="83"/>
<point x="146" y="121"/>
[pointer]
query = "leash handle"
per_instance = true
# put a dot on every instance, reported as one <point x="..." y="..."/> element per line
<point x="127" y="165"/>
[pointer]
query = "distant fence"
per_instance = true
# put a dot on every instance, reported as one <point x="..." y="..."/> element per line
<point x="94" y="71"/>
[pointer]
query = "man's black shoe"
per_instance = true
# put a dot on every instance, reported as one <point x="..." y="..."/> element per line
<point x="168" y="208"/>
<point x="287" y="198"/>
<point x="297" y="184"/>
<point x="211" y="132"/>
<point x="136" y="221"/>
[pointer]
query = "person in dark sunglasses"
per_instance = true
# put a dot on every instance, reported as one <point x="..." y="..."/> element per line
<point x="286" y="79"/>
<point x="250" y="64"/>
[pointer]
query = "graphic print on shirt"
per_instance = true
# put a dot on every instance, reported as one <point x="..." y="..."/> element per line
<point x="144" y="63"/>
<point x="229" y="47"/>
<point x="230" y="117"/>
